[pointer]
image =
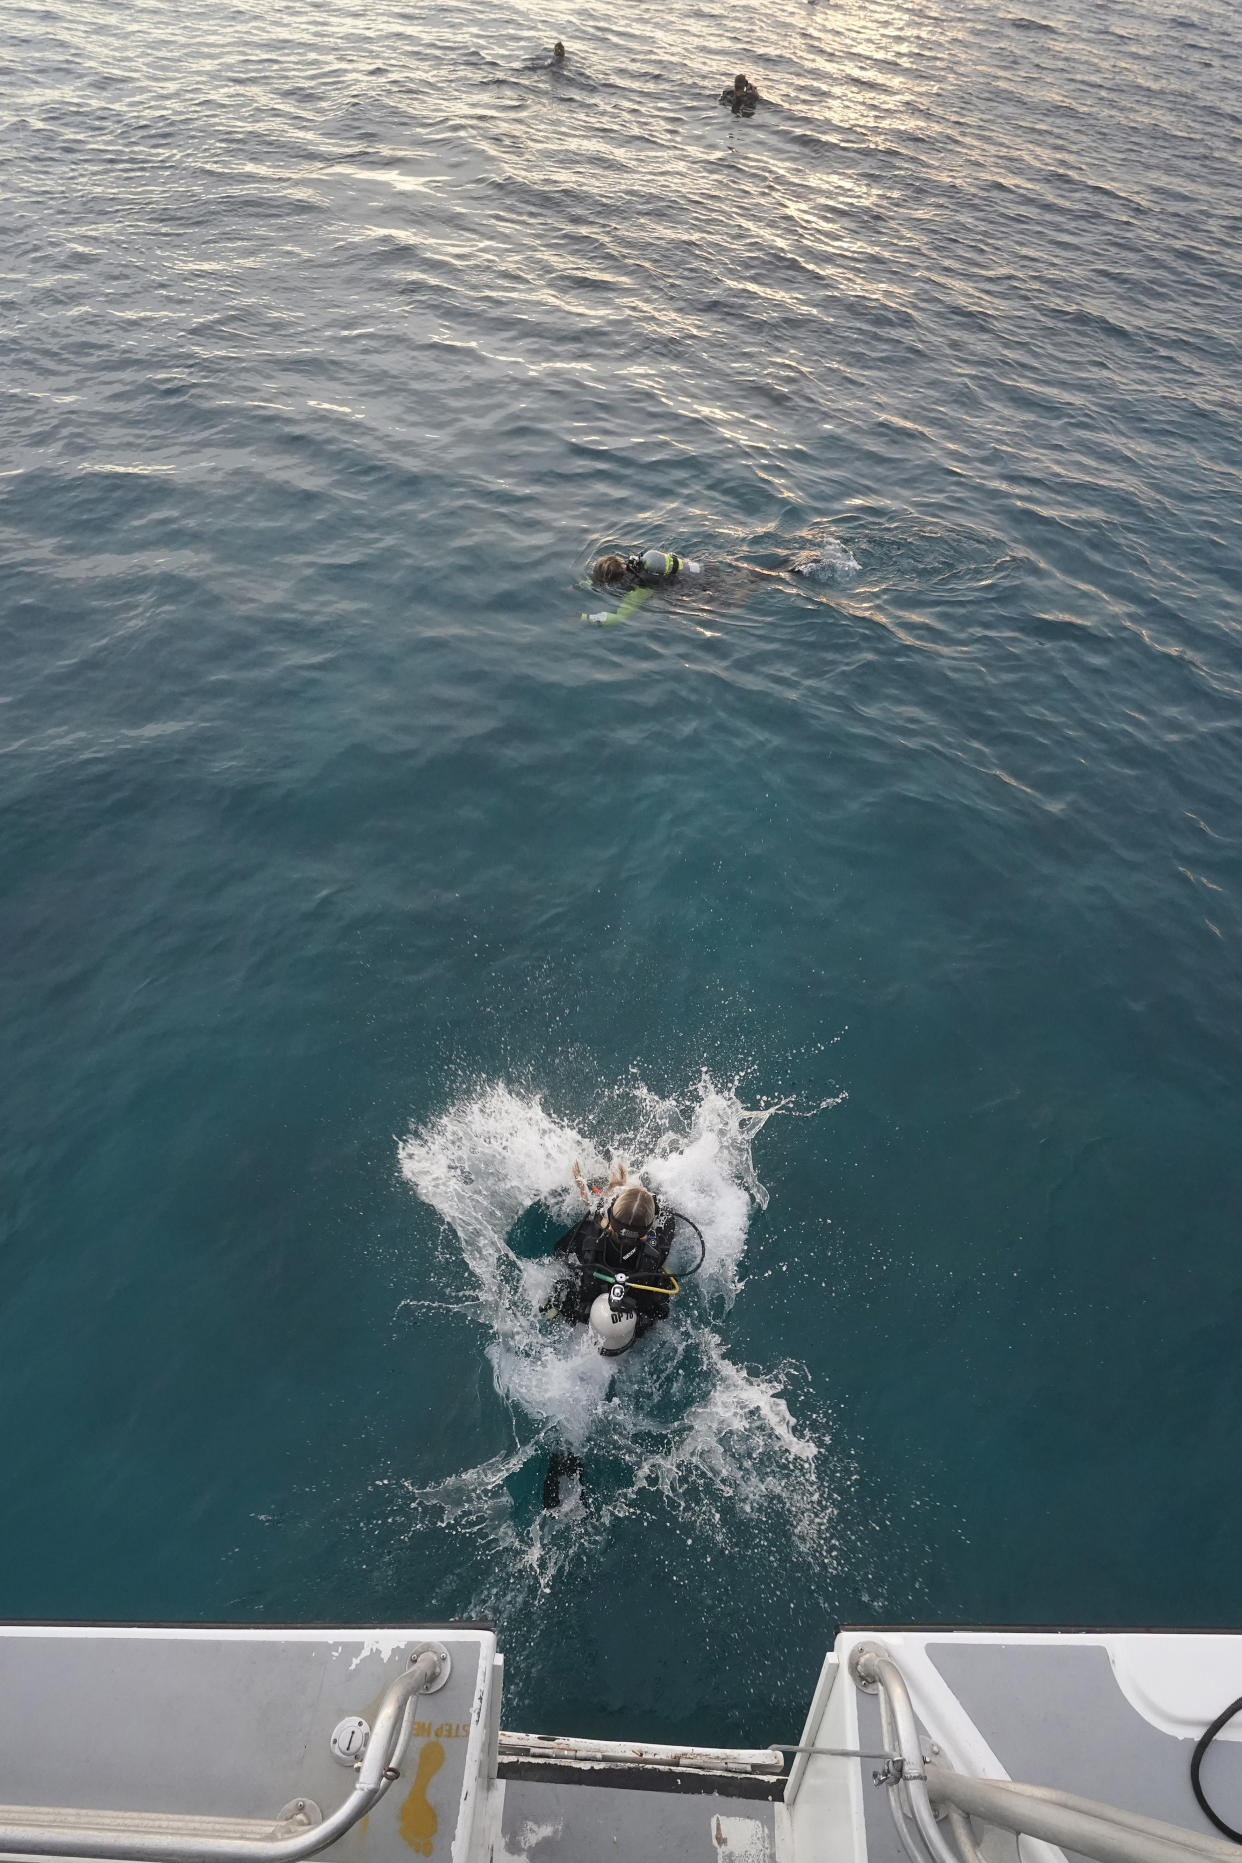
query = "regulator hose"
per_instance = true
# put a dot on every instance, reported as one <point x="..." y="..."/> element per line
<point x="687" y="1272"/>
<point x="1196" y="1760"/>
<point x="640" y="1287"/>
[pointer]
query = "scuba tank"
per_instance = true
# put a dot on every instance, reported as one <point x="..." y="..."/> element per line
<point x="614" y="1319"/>
<point x="615" y="1313"/>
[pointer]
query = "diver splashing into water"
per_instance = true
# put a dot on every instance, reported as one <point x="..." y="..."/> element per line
<point x="617" y="1283"/>
<point x="617" y="1280"/>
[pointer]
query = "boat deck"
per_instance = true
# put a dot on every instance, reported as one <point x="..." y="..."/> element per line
<point x="175" y="1745"/>
<point x="558" y="1823"/>
<point x="1110" y="1716"/>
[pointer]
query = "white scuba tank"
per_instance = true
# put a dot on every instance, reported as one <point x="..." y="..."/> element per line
<point x="612" y="1326"/>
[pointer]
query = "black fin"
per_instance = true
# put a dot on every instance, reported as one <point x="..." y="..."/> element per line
<point x="563" y="1469"/>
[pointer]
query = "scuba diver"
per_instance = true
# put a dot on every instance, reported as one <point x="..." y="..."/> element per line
<point x="741" y="95"/>
<point x="639" y="577"/>
<point x="709" y="587"/>
<point x="617" y="1280"/>
<point x="617" y="1283"/>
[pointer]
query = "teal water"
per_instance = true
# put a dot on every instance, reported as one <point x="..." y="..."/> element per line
<point x="887" y="915"/>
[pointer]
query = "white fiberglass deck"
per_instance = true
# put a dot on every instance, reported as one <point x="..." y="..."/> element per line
<point x="215" y="1743"/>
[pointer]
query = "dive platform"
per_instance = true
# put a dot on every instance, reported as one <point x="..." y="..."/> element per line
<point x="198" y="1744"/>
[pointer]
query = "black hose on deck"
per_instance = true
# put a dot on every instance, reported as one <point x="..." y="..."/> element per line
<point x="1196" y="1760"/>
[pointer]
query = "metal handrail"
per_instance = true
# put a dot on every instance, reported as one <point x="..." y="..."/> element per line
<point x="874" y="1669"/>
<point x="140" y="1844"/>
<point x="1102" y="1832"/>
<point x="1082" y="1824"/>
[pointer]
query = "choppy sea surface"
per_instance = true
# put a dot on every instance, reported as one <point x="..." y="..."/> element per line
<point x="879" y="898"/>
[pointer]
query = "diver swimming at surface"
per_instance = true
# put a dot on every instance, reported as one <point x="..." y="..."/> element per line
<point x="709" y="585"/>
<point x="617" y="1280"/>
<point x="646" y="571"/>
<point x="741" y="95"/>
<point x="639" y="577"/>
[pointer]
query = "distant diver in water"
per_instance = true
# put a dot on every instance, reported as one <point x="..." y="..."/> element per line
<point x="558" y="53"/>
<point x="741" y="96"/>
<point x="717" y="583"/>
<point x="639" y="577"/>
<point x="617" y="1280"/>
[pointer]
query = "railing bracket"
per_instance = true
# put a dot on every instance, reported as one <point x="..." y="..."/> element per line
<point x="300" y="1811"/>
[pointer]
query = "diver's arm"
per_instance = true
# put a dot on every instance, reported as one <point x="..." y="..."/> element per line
<point x="633" y="599"/>
<point x="569" y="1246"/>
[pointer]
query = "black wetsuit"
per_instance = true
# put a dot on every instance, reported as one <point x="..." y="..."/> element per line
<point x="591" y="1244"/>
<point x="741" y="102"/>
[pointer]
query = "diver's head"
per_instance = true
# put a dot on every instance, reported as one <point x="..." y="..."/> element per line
<point x="558" y="51"/>
<point x="632" y="1213"/>
<point x="741" y="82"/>
<point x="608" y="569"/>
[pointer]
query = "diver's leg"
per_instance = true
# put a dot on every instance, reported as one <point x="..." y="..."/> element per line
<point x="564" y="1476"/>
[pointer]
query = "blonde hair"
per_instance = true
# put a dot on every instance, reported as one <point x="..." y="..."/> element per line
<point x="633" y="1208"/>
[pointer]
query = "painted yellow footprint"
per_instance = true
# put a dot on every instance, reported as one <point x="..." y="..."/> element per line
<point x="419" y="1823"/>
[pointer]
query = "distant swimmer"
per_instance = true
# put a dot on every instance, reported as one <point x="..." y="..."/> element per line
<point x="639" y="577"/>
<point x="741" y="96"/>
<point x="712" y="585"/>
<point x="558" y="53"/>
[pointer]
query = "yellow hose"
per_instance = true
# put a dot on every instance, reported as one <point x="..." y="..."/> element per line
<point x="640" y="1287"/>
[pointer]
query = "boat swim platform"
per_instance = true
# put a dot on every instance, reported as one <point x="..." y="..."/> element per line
<point x="208" y="1744"/>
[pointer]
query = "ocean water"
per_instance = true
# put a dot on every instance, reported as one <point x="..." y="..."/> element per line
<point x="879" y="898"/>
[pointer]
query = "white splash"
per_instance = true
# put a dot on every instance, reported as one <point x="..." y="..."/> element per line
<point x="495" y="1153"/>
<point x="832" y="562"/>
<point x="681" y="1426"/>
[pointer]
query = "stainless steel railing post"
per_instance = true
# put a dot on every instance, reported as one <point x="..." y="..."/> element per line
<point x="873" y="1668"/>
